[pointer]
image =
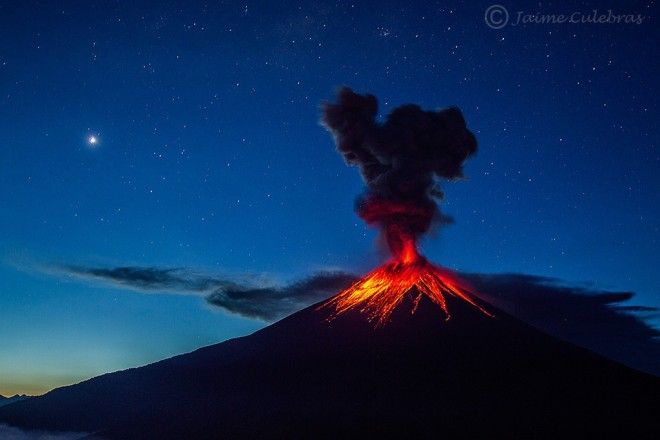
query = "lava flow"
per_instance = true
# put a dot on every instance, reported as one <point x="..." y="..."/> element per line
<point x="381" y="291"/>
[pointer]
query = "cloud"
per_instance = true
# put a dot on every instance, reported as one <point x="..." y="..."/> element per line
<point x="242" y="296"/>
<point x="148" y="278"/>
<point x="10" y="433"/>
<point x="273" y="302"/>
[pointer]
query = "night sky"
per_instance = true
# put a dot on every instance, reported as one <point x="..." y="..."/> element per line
<point x="186" y="135"/>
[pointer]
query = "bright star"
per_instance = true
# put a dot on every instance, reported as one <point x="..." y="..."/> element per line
<point x="92" y="140"/>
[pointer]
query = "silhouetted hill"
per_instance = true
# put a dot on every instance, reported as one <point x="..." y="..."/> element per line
<point x="16" y="398"/>
<point x="418" y="377"/>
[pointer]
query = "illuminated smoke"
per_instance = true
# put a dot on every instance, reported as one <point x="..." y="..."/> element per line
<point x="401" y="161"/>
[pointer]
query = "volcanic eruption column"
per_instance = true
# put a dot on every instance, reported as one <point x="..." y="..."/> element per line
<point x="400" y="161"/>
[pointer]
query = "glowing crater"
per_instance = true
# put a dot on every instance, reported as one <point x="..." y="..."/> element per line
<point x="379" y="293"/>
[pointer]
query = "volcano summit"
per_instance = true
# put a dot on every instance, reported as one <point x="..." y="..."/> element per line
<point x="380" y="292"/>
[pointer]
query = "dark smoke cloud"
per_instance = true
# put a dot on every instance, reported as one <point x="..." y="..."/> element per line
<point x="272" y="303"/>
<point x="400" y="160"/>
<point x="149" y="278"/>
<point x="241" y="297"/>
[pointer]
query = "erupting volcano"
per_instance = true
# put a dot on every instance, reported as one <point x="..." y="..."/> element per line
<point x="360" y="364"/>
<point x="401" y="161"/>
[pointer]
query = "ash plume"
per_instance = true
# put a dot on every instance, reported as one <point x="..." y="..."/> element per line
<point x="246" y="295"/>
<point x="271" y="303"/>
<point x="400" y="160"/>
<point x="148" y="278"/>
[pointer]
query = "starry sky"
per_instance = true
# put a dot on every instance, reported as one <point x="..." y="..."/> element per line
<point x="186" y="134"/>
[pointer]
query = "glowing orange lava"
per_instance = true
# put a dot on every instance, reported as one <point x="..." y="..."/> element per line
<point x="381" y="291"/>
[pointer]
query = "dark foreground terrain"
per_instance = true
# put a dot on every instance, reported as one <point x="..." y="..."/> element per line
<point x="7" y="400"/>
<point x="418" y="377"/>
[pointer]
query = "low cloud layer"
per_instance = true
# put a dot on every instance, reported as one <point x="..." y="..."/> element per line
<point x="602" y="321"/>
<point x="10" y="433"/>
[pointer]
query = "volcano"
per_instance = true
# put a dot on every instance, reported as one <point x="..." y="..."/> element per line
<point x="329" y="372"/>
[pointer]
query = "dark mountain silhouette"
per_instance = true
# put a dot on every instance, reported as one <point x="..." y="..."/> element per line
<point x="16" y="398"/>
<point x="417" y="377"/>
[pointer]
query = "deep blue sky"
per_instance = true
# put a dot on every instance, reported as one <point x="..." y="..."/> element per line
<point x="210" y="156"/>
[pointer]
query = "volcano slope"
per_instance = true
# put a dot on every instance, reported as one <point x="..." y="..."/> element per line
<point x="418" y="376"/>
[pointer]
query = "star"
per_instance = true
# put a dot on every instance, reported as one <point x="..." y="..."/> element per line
<point x="92" y="140"/>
